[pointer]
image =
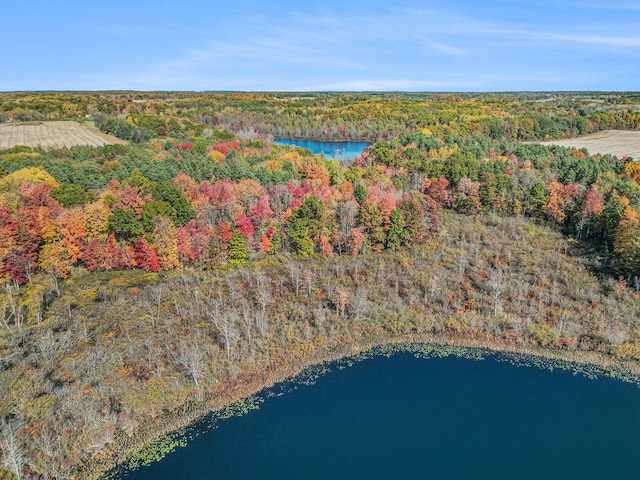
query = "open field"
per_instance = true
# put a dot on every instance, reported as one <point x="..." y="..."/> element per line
<point x="52" y="135"/>
<point x="620" y="143"/>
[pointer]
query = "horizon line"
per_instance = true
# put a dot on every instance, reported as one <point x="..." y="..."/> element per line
<point x="313" y="91"/>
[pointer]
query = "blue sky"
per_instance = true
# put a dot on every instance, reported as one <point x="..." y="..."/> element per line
<point x="493" y="45"/>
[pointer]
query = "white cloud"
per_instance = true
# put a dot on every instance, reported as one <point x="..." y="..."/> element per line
<point x="594" y="40"/>
<point x="441" y="48"/>
<point x="398" y="49"/>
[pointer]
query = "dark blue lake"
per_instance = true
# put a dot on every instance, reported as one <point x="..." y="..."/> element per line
<point x="402" y="417"/>
<point x="337" y="150"/>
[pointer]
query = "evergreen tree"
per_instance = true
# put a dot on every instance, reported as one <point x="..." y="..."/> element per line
<point x="152" y="209"/>
<point x="299" y="236"/>
<point x="627" y="242"/>
<point x="70" y="195"/>
<point x="168" y="192"/>
<point x="609" y="218"/>
<point x="125" y="224"/>
<point x="360" y="193"/>
<point x="238" y="249"/>
<point x="396" y="235"/>
<point x="535" y="198"/>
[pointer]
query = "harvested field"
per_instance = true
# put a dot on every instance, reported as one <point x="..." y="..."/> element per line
<point x="52" y="135"/>
<point x="621" y="143"/>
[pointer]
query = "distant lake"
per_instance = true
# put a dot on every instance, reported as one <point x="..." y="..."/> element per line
<point x="337" y="150"/>
<point x="402" y="417"/>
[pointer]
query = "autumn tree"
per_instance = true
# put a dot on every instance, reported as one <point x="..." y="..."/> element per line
<point x="626" y="244"/>
<point x="145" y="256"/>
<point x="438" y="191"/>
<point x="561" y="201"/>
<point x="261" y="212"/>
<point x="420" y="215"/>
<point x="467" y="198"/>
<point x="55" y="260"/>
<point x="592" y="205"/>
<point x="96" y="217"/>
<point x="165" y="242"/>
<point x="100" y="253"/>
<point x="245" y="227"/>
<point x="73" y="232"/>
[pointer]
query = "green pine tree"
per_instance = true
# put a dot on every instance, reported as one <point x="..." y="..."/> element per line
<point x="238" y="249"/>
<point x="396" y="235"/>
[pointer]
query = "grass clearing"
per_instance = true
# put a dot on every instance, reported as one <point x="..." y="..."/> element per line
<point x="621" y="143"/>
<point x="52" y="135"/>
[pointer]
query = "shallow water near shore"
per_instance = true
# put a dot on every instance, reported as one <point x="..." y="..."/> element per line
<point x="335" y="150"/>
<point x="402" y="416"/>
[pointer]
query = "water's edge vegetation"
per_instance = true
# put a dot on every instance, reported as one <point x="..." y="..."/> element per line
<point x="591" y="366"/>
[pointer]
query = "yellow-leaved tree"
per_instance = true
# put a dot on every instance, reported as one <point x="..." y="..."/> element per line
<point x="626" y="244"/>
<point x="165" y="241"/>
<point x="11" y="184"/>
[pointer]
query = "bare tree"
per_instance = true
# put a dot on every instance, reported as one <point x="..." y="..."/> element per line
<point x="12" y="310"/>
<point x="156" y="296"/>
<point x="496" y="287"/>
<point x="102" y="430"/>
<point x="280" y="198"/>
<point x="226" y="323"/>
<point x="358" y="301"/>
<point x="13" y="456"/>
<point x="192" y="359"/>
<point x="340" y="300"/>
<point x="355" y="273"/>
<point x="309" y="278"/>
<point x="46" y="443"/>
<point x="346" y="212"/>
<point x="328" y="282"/>
<point x="461" y="263"/>
<point x="234" y="291"/>
<point x="247" y="318"/>
<point x="295" y="274"/>
<point x="262" y="323"/>
<point x="262" y="297"/>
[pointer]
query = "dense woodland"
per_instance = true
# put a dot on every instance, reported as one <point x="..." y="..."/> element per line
<point x="198" y="258"/>
<point x="373" y="116"/>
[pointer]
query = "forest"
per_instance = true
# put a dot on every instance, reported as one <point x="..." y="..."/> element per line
<point x="145" y="284"/>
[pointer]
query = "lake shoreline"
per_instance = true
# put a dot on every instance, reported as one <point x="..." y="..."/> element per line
<point x="339" y="150"/>
<point x="284" y="369"/>
<point x="324" y="139"/>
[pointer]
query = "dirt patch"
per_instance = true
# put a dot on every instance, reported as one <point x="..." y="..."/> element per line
<point x="52" y="135"/>
<point x="621" y="143"/>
